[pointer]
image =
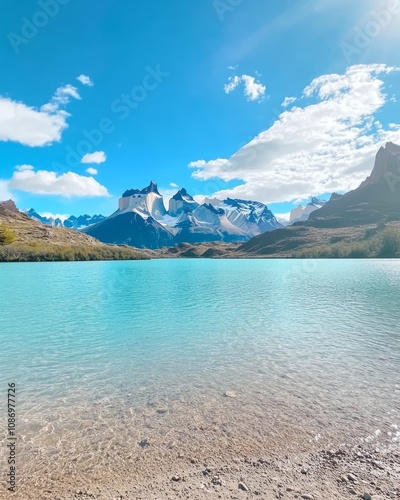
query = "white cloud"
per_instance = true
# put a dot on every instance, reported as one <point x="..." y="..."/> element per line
<point x="282" y="217"/>
<point x="63" y="94"/>
<point x="62" y="97"/>
<point x="253" y="90"/>
<point x="85" y="80"/>
<point x="92" y="171"/>
<point x="23" y="168"/>
<point x="24" y="124"/>
<point x="173" y="185"/>
<point x="50" y="215"/>
<point x="96" y="157"/>
<point x="288" y="101"/>
<point x="328" y="145"/>
<point x="35" y="127"/>
<point x="4" y="191"/>
<point x="234" y="81"/>
<point x="197" y="164"/>
<point x="45" y="182"/>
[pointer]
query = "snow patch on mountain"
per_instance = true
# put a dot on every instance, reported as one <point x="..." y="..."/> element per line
<point x="71" y="222"/>
<point x="302" y="213"/>
<point x="189" y="221"/>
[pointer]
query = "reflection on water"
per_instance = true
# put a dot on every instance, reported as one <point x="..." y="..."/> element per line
<point x="109" y="355"/>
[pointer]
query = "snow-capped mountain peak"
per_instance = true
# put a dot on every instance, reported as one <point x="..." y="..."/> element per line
<point x="142" y="220"/>
<point x="147" y="202"/>
<point x="71" y="222"/>
<point x="181" y="202"/>
<point x="302" y="213"/>
<point x="185" y="221"/>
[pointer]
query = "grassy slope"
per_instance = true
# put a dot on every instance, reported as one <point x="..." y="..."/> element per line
<point x="29" y="240"/>
<point x="384" y="243"/>
<point x="367" y="241"/>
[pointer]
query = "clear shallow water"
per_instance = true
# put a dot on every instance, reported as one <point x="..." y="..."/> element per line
<point x="107" y="354"/>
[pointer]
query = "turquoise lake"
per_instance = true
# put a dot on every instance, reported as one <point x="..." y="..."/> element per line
<point x="131" y="358"/>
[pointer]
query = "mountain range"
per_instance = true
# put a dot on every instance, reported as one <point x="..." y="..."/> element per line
<point x="356" y="216"/>
<point x="364" y="222"/>
<point x="71" y="222"/>
<point x="143" y="221"/>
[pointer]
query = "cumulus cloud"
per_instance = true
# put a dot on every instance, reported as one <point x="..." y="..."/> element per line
<point x="85" y="80"/>
<point x="253" y="90"/>
<point x="36" y="127"/>
<point x="92" y="171"/>
<point x="173" y="185"/>
<point x="28" y="126"/>
<point x="45" y="182"/>
<point x="288" y="101"/>
<point x="96" y="157"/>
<point x="327" y="145"/>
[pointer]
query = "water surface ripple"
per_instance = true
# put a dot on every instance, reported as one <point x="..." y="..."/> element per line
<point x="108" y="354"/>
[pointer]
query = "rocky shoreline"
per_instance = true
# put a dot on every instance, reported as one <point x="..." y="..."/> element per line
<point x="358" y="473"/>
<point x="361" y="472"/>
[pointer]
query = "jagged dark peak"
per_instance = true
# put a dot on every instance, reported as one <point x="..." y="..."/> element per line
<point x="130" y="192"/>
<point x="182" y="194"/>
<point x="151" y="188"/>
<point x="335" y="196"/>
<point x="316" y="201"/>
<point x="237" y="201"/>
<point x="232" y="202"/>
<point x="386" y="165"/>
<point x="209" y="206"/>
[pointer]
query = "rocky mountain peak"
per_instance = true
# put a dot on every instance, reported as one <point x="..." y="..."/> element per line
<point x="392" y="147"/>
<point x="151" y="188"/>
<point x="8" y="206"/>
<point x="335" y="196"/>
<point x="387" y="163"/>
<point x="182" y="194"/>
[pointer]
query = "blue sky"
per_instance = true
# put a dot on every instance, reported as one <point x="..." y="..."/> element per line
<point x="180" y="83"/>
